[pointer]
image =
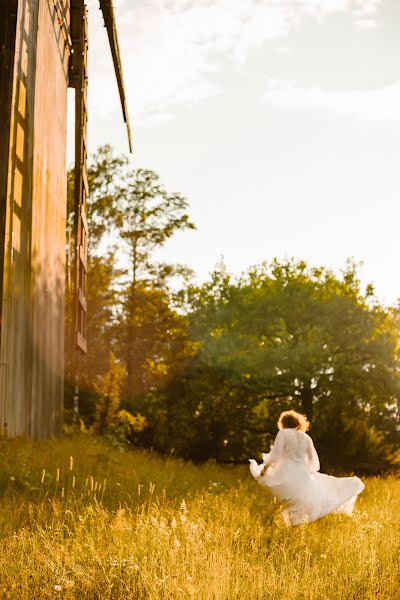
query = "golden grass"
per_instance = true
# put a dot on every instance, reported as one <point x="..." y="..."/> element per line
<point x="112" y="524"/>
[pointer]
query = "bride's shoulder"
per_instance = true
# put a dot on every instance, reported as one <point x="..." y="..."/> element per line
<point x="286" y="432"/>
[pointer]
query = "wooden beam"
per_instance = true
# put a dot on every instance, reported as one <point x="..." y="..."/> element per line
<point x="78" y="77"/>
<point x="8" y="28"/>
<point x="107" y="8"/>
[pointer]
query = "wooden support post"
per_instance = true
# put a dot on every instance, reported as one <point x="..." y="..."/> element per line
<point x="8" y="27"/>
<point x="78" y="77"/>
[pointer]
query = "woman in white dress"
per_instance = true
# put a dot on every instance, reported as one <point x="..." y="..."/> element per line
<point x="290" y="472"/>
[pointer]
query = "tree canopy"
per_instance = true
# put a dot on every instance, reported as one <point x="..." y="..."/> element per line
<point x="286" y="334"/>
<point x="209" y="367"/>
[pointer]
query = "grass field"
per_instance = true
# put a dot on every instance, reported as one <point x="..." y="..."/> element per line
<point x="79" y="519"/>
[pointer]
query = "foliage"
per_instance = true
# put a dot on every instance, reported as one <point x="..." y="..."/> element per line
<point x="289" y="335"/>
<point x="102" y="297"/>
<point x="109" y="418"/>
<point x="148" y="217"/>
<point x="108" y="390"/>
<point x="129" y="301"/>
<point x="79" y="519"/>
<point x="211" y="366"/>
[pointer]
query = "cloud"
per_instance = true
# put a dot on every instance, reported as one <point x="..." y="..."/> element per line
<point x="172" y="49"/>
<point x="377" y="105"/>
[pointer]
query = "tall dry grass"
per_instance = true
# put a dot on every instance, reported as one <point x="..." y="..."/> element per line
<point x="112" y="524"/>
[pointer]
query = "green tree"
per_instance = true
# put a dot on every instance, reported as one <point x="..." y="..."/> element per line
<point x="109" y="418"/>
<point x="108" y="387"/>
<point x="148" y="217"/>
<point x="130" y="306"/>
<point x="289" y="335"/>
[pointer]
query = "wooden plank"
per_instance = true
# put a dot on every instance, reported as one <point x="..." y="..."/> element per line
<point x="8" y="30"/>
<point x="49" y="218"/>
<point x="83" y="260"/>
<point x="85" y="185"/>
<point x="81" y="343"/>
<point x="84" y="220"/>
<point x="78" y="79"/>
<point x="82" y="300"/>
<point x="107" y="9"/>
<point x="16" y="338"/>
<point x="32" y="340"/>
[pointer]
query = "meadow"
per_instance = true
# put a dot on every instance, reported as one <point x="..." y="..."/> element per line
<point x="82" y="519"/>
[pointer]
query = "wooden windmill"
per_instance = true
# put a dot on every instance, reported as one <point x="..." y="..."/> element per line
<point x="44" y="46"/>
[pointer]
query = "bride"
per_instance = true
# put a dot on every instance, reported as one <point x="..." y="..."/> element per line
<point x="290" y="471"/>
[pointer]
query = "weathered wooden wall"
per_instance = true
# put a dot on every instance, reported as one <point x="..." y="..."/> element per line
<point x="8" y="22"/>
<point x="32" y="335"/>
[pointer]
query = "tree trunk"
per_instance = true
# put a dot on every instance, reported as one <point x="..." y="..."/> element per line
<point x="307" y="400"/>
<point x="131" y="328"/>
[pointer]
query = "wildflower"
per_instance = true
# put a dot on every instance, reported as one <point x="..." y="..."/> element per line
<point x="57" y="588"/>
<point x="68" y="583"/>
<point x="176" y="543"/>
<point x="173" y="523"/>
<point x="12" y="478"/>
<point x="323" y="556"/>
<point x="113" y="562"/>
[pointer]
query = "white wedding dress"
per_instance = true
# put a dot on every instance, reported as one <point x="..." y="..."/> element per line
<point x="293" y="479"/>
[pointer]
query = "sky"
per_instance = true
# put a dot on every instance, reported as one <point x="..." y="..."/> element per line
<point x="278" y="120"/>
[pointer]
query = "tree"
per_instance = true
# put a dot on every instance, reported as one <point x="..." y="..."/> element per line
<point x="148" y="216"/>
<point x="108" y="389"/>
<point x="289" y="335"/>
<point x="130" y="305"/>
<point x="109" y="418"/>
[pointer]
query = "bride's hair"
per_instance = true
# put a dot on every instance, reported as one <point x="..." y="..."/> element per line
<point x="290" y="419"/>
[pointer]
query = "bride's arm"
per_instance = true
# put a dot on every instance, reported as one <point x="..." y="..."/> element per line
<point x="312" y="456"/>
<point x="276" y="451"/>
<point x="259" y="470"/>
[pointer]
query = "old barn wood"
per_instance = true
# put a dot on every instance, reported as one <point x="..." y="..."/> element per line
<point x="43" y="47"/>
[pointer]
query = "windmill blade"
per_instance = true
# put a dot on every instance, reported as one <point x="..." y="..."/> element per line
<point x="107" y="8"/>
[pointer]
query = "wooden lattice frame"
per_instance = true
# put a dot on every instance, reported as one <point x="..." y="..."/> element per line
<point x="78" y="76"/>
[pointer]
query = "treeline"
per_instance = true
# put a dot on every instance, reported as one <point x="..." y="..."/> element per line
<point x="205" y="371"/>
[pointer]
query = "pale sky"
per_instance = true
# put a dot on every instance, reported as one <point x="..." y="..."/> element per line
<point x="278" y="120"/>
